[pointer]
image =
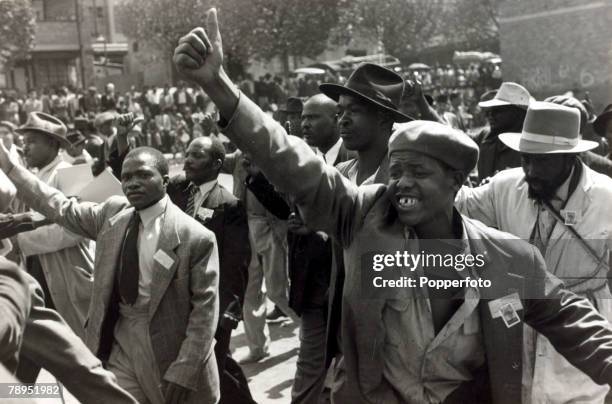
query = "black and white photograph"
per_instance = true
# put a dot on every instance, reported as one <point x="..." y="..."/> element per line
<point x="306" y="201"/>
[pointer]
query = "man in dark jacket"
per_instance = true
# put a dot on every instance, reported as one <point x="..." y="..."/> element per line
<point x="505" y="113"/>
<point x="310" y="252"/>
<point x="199" y="194"/>
<point x="412" y="344"/>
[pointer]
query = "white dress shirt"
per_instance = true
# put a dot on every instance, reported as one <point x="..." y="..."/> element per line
<point x="203" y="192"/>
<point x="152" y="220"/>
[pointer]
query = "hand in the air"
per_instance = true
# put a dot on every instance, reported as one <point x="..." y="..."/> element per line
<point x="199" y="54"/>
<point x="6" y="163"/>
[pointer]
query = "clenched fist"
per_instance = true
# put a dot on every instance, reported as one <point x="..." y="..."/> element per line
<point x="199" y="54"/>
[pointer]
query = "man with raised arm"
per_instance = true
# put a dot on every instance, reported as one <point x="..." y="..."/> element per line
<point x="460" y="343"/>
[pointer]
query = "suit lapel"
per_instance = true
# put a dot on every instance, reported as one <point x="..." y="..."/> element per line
<point x="110" y="242"/>
<point x="578" y="202"/>
<point x="165" y="260"/>
<point x="214" y="198"/>
<point x="382" y="175"/>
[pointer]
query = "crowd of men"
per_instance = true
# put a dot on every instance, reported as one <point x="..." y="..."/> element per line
<point x="135" y="299"/>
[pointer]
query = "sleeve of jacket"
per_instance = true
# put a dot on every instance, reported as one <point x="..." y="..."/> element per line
<point x="598" y="163"/>
<point x="84" y="219"/>
<point x="7" y="192"/>
<point x="236" y="255"/>
<point x="197" y="347"/>
<point x="14" y="310"/>
<point x="478" y="203"/>
<point x="115" y="160"/>
<point x="47" y="239"/>
<point x="573" y="326"/>
<point x="50" y="343"/>
<point x="269" y="197"/>
<point x="327" y="200"/>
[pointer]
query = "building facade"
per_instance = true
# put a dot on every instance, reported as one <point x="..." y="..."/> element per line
<point x="555" y="46"/>
<point x="75" y="42"/>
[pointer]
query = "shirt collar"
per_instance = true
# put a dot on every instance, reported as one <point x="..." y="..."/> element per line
<point x="49" y="167"/>
<point x="149" y="214"/>
<point x="332" y="154"/>
<point x="563" y="190"/>
<point x="206" y="187"/>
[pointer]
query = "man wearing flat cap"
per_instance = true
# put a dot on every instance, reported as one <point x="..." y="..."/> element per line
<point x="59" y="260"/>
<point x="560" y="205"/>
<point x="412" y="344"/>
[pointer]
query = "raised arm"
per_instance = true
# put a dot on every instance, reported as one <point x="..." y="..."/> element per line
<point x="84" y="219"/>
<point x="326" y="199"/>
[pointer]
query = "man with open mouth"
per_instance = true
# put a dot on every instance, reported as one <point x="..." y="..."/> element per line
<point x="418" y="345"/>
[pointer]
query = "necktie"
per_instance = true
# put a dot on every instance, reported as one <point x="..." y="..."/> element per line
<point x="130" y="266"/>
<point x="193" y="190"/>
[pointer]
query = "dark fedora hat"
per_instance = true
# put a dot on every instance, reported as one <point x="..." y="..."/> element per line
<point x="75" y="137"/>
<point x="46" y="124"/>
<point x="294" y="105"/>
<point x="599" y="125"/>
<point x="373" y="84"/>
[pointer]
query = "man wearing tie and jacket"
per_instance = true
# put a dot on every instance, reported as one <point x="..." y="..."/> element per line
<point x="154" y="306"/>
<point x="199" y="194"/>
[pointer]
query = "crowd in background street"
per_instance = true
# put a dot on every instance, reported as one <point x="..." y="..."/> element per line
<point x="174" y="115"/>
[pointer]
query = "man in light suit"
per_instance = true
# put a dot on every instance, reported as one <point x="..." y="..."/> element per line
<point x="554" y="200"/>
<point x="59" y="260"/>
<point x="48" y="341"/>
<point x="154" y="306"/>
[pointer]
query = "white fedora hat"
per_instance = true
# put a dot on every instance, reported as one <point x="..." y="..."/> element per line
<point x="509" y="93"/>
<point x="549" y="128"/>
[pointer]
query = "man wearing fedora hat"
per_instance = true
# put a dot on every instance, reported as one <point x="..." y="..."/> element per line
<point x="76" y="153"/>
<point x="398" y="344"/>
<point x="58" y="259"/>
<point x="505" y="113"/>
<point x="591" y="158"/>
<point x="560" y="205"/>
<point x="367" y="109"/>
<point x="602" y="125"/>
<point x="290" y="115"/>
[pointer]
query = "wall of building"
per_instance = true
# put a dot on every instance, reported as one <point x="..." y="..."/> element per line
<point x="555" y="46"/>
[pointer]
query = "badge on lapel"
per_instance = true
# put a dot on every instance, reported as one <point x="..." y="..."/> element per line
<point x="507" y="308"/>
<point x="204" y="213"/>
<point x="570" y="216"/>
<point x="164" y="259"/>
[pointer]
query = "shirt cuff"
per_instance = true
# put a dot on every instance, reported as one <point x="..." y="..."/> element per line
<point x="224" y="123"/>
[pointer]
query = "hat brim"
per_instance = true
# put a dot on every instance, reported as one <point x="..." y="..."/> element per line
<point x="515" y="141"/>
<point x="63" y="141"/>
<point x="334" y="91"/>
<point x="493" y="103"/>
<point x="599" y="124"/>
